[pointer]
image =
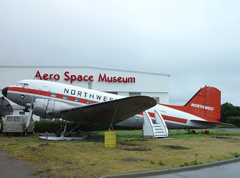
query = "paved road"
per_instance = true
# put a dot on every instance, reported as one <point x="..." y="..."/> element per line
<point x="220" y="169"/>
<point x="230" y="170"/>
<point x="10" y="168"/>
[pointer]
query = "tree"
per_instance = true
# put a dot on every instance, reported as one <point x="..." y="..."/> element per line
<point x="227" y="109"/>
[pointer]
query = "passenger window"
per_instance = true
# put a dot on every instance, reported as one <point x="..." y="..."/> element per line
<point x="53" y="95"/>
<point x="9" y="119"/>
<point x="65" y="97"/>
<point x="77" y="99"/>
<point x="16" y="119"/>
<point x="89" y="102"/>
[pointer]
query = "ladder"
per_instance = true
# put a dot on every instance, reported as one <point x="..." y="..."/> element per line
<point x="158" y="130"/>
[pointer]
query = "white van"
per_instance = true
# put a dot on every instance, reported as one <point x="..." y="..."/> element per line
<point x="17" y="124"/>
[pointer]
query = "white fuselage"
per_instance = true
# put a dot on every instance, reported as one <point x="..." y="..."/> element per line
<point x="28" y="90"/>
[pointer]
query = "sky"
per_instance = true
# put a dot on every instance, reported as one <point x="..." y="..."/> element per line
<point x="196" y="42"/>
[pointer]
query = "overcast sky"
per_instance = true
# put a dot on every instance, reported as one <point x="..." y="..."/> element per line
<point x="196" y="42"/>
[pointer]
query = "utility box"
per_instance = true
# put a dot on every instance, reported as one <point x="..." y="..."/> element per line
<point x="17" y="124"/>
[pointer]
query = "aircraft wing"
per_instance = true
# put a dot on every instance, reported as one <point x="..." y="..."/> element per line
<point x="213" y="124"/>
<point x="111" y="111"/>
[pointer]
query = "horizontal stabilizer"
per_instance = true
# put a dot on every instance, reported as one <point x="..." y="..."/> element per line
<point x="214" y="124"/>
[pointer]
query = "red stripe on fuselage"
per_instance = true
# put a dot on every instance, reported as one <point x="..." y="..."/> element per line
<point x="168" y="118"/>
<point x="48" y="94"/>
<point x="174" y="119"/>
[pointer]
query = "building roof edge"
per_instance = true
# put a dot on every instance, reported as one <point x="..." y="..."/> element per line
<point x="83" y="67"/>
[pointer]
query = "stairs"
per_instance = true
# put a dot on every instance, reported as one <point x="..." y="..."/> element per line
<point x="158" y="130"/>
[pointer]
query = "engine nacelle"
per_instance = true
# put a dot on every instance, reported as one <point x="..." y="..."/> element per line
<point x="48" y="108"/>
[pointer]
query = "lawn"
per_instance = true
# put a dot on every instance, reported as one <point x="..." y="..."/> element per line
<point x="89" y="158"/>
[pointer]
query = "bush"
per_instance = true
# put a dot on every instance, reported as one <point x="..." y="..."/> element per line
<point x="233" y="120"/>
<point x="42" y="126"/>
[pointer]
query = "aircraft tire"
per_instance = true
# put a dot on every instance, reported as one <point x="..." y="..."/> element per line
<point x="56" y="129"/>
<point x="59" y="131"/>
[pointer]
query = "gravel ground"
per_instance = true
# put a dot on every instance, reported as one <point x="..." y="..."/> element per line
<point x="14" y="168"/>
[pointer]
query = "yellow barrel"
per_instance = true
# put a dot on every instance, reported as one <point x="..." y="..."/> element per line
<point x="110" y="139"/>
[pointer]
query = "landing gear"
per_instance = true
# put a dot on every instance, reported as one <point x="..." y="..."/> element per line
<point x="190" y="131"/>
<point x="56" y="128"/>
<point x="61" y="130"/>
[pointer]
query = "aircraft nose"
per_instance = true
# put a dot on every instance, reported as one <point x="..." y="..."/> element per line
<point x="4" y="91"/>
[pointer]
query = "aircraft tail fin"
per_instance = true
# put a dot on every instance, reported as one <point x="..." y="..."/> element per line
<point x="206" y="103"/>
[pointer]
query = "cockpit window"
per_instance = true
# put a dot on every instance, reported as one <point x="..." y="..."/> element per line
<point x="24" y="85"/>
<point x="20" y="84"/>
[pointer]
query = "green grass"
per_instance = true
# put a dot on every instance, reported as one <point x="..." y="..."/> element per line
<point x="236" y="155"/>
<point x="89" y="158"/>
<point x="37" y="172"/>
<point x="200" y="133"/>
<point x="160" y="163"/>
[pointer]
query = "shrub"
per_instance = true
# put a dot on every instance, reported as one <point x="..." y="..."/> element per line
<point x="233" y="120"/>
<point x="42" y="126"/>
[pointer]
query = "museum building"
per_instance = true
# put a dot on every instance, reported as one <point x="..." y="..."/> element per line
<point x="119" y="82"/>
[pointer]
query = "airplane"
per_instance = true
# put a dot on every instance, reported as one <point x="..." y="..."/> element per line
<point x="52" y="100"/>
